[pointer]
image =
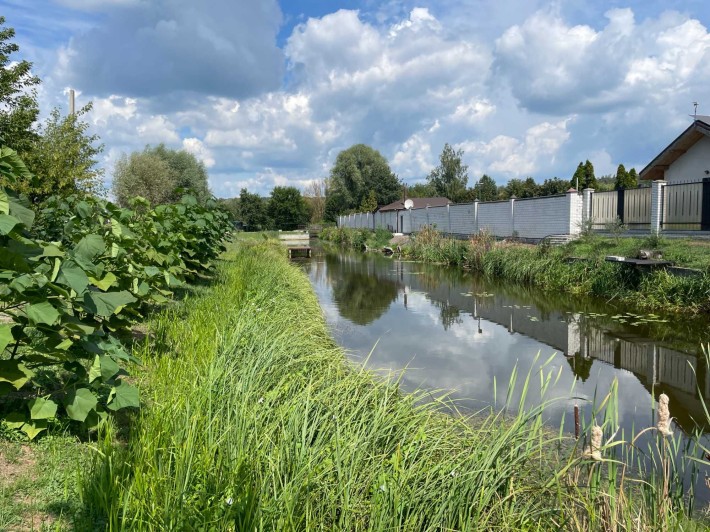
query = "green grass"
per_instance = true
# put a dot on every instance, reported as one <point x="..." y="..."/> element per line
<point x="254" y="420"/>
<point x="356" y="238"/>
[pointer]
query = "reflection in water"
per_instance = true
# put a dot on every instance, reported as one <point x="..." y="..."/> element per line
<point x="455" y="331"/>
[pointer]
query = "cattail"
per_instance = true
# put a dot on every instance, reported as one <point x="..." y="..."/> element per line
<point x="593" y="451"/>
<point x="664" y="416"/>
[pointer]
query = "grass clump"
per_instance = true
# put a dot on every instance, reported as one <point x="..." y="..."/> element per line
<point x="357" y="238"/>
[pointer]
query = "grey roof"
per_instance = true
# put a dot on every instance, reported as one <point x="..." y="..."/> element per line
<point x="419" y="203"/>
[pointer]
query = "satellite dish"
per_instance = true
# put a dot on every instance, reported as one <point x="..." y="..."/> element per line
<point x="408" y="204"/>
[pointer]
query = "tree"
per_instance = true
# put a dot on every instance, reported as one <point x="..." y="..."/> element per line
<point x="143" y="174"/>
<point x="621" y="178"/>
<point x="287" y="209"/>
<point x="521" y="188"/>
<point x="165" y="182"/>
<point x="584" y="176"/>
<point x="315" y="198"/>
<point x="632" y="179"/>
<point x="252" y="211"/>
<point x="421" y="190"/>
<point x="356" y="171"/>
<point x="18" y="96"/>
<point x="551" y="187"/>
<point x="486" y="189"/>
<point x="231" y="205"/>
<point x="450" y="178"/>
<point x="64" y="158"/>
<point x="190" y="174"/>
<point x="369" y="203"/>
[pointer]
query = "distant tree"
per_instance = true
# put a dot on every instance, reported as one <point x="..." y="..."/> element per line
<point x="633" y="178"/>
<point x="421" y="190"/>
<point x="621" y="178"/>
<point x="605" y="183"/>
<point x="315" y="198"/>
<point x="18" y="96"/>
<point x="584" y="176"/>
<point x="231" y="205"/>
<point x="578" y="177"/>
<point x="140" y="174"/>
<point x="64" y="158"/>
<point x="143" y="174"/>
<point x="369" y="202"/>
<point x="553" y="186"/>
<point x="486" y="189"/>
<point x="252" y="212"/>
<point x="519" y="188"/>
<point x="450" y="178"/>
<point x="356" y="171"/>
<point x="190" y="173"/>
<point x="287" y="208"/>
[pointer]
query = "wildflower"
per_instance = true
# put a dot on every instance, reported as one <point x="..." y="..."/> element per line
<point x="454" y="474"/>
<point x="382" y="488"/>
<point x="261" y="400"/>
<point x="230" y="501"/>
<point x="664" y="416"/>
<point x="593" y="451"/>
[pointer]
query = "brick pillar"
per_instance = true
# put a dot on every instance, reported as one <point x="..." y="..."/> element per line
<point x="512" y="216"/>
<point x="475" y="216"/>
<point x="587" y="194"/>
<point x="657" y="206"/>
<point x="576" y="211"/>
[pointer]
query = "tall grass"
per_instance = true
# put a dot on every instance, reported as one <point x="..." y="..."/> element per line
<point x="256" y="421"/>
<point x="356" y="238"/>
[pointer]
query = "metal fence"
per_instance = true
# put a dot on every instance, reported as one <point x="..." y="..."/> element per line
<point x="682" y="206"/>
<point x="637" y="207"/>
<point x="604" y="208"/>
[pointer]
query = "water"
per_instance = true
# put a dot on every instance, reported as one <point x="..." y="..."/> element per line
<point x="458" y="333"/>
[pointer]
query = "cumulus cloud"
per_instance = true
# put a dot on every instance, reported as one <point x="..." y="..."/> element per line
<point x="557" y="68"/>
<point x="150" y="48"/>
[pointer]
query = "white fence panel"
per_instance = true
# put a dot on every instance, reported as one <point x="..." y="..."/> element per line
<point x="439" y="218"/>
<point x="495" y="217"/>
<point x="541" y="217"/>
<point x="463" y="221"/>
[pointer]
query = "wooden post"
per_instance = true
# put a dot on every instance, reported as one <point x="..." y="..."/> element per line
<point x="576" y="421"/>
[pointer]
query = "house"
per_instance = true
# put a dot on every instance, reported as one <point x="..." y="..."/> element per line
<point x="686" y="159"/>
<point x="393" y="215"/>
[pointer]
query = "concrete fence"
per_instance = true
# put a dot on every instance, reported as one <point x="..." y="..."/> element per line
<point x="684" y="206"/>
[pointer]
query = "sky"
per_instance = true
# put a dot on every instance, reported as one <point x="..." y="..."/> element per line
<point x="268" y="93"/>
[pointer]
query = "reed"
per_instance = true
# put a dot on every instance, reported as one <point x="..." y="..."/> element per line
<point x="254" y="420"/>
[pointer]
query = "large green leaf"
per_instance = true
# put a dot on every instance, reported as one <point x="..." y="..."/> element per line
<point x="89" y="247"/>
<point x="42" y="313"/>
<point x="8" y="224"/>
<point x="34" y="428"/>
<point x="42" y="408"/>
<point x="108" y="303"/>
<point x="123" y="396"/>
<point x="15" y="373"/>
<point x="73" y="276"/>
<point x="105" y="283"/>
<point x="23" y="212"/>
<point x="5" y="336"/>
<point x="4" y="202"/>
<point x="79" y="403"/>
<point x="14" y="420"/>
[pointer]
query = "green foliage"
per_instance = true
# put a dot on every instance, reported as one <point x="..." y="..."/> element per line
<point x="450" y="178"/>
<point x="18" y="96"/>
<point x="64" y="158"/>
<point x="253" y="212"/>
<point x="552" y="187"/>
<point x="486" y="189"/>
<point x="624" y="179"/>
<point x="421" y="190"/>
<point x="369" y="203"/>
<point x="287" y="208"/>
<point x="160" y="175"/>
<point x="520" y="188"/>
<point x="71" y="281"/>
<point x="356" y="172"/>
<point x="584" y="176"/>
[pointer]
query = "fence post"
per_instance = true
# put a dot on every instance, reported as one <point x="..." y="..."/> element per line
<point x="448" y="214"/>
<point x="427" y="217"/>
<point x="657" y="206"/>
<point x="705" y="212"/>
<point x="575" y="213"/>
<point x="587" y="195"/>
<point x="512" y="216"/>
<point x="620" y="197"/>
<point x="475" y="216"/>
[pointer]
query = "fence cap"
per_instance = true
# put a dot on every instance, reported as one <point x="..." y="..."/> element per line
<point x="572" y="190"/>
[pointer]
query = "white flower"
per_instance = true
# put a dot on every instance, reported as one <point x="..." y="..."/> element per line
<point x="261" y="400"/>
<point x="230" y="501"/>
<point x="382" y="488"/>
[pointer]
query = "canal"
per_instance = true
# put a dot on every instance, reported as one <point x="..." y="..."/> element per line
<point x="448" y="331"/>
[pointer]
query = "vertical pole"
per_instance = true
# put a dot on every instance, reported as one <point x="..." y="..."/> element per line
<point x="512" y="216"/>
<point x="657" y="206"/>
<point x="475" y="216"/>
<point x="705" y="212"/>
<point x="427" y="216"/>
<point x="576" y="421"/>
<point x="448" y="214"/>
<point x="587" y="198"/>
<point x="620" y="199"/>
<point x="71" y="102"/>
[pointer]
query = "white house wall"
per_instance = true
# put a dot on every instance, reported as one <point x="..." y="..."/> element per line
<point x="691" y="166"/>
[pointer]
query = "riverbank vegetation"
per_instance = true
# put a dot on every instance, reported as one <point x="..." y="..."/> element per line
<point x="356" y="238"/>
<point x="578" y="267"/>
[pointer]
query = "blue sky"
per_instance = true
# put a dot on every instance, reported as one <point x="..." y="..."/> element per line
<point x="268" y="93"/>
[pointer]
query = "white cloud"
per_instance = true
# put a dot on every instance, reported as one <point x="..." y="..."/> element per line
<point x="197" y="148"/>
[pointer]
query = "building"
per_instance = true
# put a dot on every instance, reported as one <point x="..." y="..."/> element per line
<point x="686" y="159"/>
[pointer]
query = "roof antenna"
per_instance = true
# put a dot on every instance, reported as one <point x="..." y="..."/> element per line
<point x="695" y="112"/>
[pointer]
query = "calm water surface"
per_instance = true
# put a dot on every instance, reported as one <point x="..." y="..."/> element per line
<point x="457" y="332"/>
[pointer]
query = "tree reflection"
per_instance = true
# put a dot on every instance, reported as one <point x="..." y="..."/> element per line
<point x="360" y="294"/>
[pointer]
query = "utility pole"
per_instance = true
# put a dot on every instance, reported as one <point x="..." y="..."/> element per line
<point x="71" y="102"/>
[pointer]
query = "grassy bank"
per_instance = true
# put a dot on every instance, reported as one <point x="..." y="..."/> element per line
<point x="254" y="420"/>
<point x="578" y="268"/>
<point x="356" y="238"/>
